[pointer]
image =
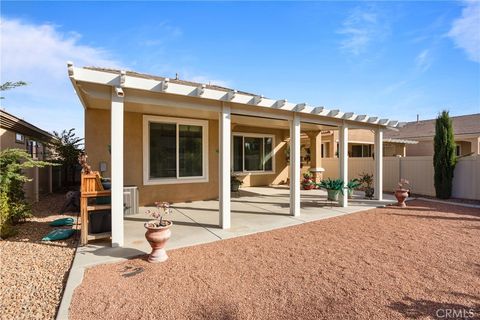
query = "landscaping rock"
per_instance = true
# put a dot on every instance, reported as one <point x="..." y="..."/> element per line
<point x="33" y="272"/>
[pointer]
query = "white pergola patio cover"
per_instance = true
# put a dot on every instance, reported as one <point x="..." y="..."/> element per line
<point x="228" y="102"/>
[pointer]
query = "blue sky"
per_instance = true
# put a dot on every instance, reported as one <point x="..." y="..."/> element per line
<point x="390" y="59"/>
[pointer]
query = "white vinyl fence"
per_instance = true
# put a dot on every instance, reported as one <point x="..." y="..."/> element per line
<point x="417" y="170"/>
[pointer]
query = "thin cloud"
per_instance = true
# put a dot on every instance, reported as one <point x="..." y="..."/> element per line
<point x="361" y="28"/>
<point x="465" y="31"/>
<point x="38" y="54"/>
<point x="423" y="60"/>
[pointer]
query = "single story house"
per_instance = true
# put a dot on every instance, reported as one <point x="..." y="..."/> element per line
<point x="466" y="131"/>
<point x="360" y="144"/>
<point x="179" y="141"/>
<point x="16" y="133"/>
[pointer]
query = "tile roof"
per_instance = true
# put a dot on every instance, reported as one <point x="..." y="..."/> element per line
<point x="467" y="124"/>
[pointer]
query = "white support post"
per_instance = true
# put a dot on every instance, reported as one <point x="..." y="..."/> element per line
<point x="117" y="127"/>
<point x="343" y="158"/>
<point x="295" y="166"/>
<point x="224" y="172"/>
<point x="378" y="177"/>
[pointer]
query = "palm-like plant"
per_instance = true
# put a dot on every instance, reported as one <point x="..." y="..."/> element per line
<point x="330" y="184"/>
<point x="353" y="184"/>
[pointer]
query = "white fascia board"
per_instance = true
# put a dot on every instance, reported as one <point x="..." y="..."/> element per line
<point x="132" y="82"/>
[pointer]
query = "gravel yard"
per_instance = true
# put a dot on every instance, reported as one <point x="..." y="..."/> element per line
<point x="386" y="263"/>
<point x="33" y="273"/>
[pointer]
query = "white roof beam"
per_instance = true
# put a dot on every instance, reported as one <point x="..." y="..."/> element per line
<point x="200" y="90"/>
<point x="279" y="104"/>
<point x="393" y="123"/>
<point x="256" y="100"/>
<point x="123" y="75"/>
<point x="231" y="95"/>
<point x="333" y="113"/>
<point x="299" y="107"/>
<point x="164" y="84"/>
<point x="318" y="110"/>
<point x="70" y="68"/>
<point x="347" y="115"/>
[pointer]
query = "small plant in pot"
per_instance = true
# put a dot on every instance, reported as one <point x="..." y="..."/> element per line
<point x="333" y="187"/>
<point x="352" y="185"/>
<point x="402" y="192"/>
<point x="235" y="183"/>
<point x="366" y="179"/>
<point x="158" y="232"/>
<point x="307" y="182"/>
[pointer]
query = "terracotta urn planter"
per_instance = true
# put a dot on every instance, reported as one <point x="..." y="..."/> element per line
<point x="158" y="237"/>
<point x="401" y="195"/>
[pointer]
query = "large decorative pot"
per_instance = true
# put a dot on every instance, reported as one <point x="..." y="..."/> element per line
<point x="332" y="195"/>
<point x="401" y="195"/>
<point x="158" y="237"/>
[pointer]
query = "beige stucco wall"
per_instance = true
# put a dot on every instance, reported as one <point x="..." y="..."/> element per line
<point x="393" y="149"/>
<point x="426" y="148"/>
<point x="422" y="148"/>
<point x="465" y="147"/>
<point x="281" y="166"/>
<point x="97" y="139"/>
<point x="7" y="140"/>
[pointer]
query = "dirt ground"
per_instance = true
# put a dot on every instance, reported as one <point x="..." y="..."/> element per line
<point x="386" y="263"/>
<point x="33" y="273"/>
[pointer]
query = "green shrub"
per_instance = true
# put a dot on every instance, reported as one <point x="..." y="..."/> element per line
<point x="13" y="206"/>
<point x="444" y="159"/>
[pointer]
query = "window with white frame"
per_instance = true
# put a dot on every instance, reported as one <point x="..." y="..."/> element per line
<point x="253" y="152"/>
<point x="174" y="150"/>
<point x="20" y="138"/>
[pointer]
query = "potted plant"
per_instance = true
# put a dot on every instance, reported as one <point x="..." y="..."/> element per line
<point x="333" y="187"/>
<point x="352" y="185"/>
<point x="367" y="180"/>
<point x="158" y="232"/>
<point x="235" y="183"/>
<point x="307" y="182"/>
<point x="402" y="192"/>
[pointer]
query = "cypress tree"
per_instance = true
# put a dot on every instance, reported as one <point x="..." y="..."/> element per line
<point x="444" y="158"/>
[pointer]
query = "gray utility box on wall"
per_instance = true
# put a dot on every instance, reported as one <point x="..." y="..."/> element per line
<point x="130" y="200"/>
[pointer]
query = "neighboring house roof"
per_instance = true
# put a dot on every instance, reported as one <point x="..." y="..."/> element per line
<point x="10" y="122"/>
<point x="462" y="125"/>
<point x="121" y="80"/>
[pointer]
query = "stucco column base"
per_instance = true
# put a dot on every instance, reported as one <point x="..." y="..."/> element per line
<point x="317" y="174"/>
